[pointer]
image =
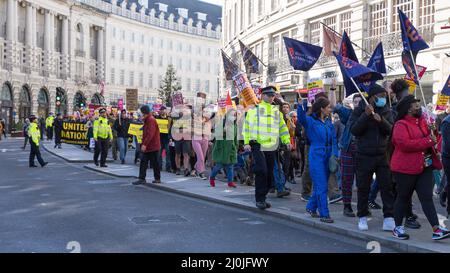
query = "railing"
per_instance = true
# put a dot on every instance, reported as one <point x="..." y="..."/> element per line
<point x="3" y="31"/>
<point x="80" y="53"/>
<point x="280" y="65"/>
<point x="392" y="42"/>
<point x="326" y="61"/>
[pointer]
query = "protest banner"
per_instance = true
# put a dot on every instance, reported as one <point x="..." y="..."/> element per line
<point x="245" y="89"/>
<point x="74" y="133"/>
<point x="314" y="88"/>
<point x="132" y="99"/>
<point x="163" y="125"/>
<point x="177" y="99"/>
<point x="442" y="101"/>
<point x="136" y="130"/>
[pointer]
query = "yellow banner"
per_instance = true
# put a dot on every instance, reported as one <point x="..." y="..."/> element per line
<point x="442" y="102"/>
<point x="135" y="130"/>
<point x="163" y="125"/>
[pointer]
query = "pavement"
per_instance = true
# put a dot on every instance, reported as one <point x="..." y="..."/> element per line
<point x="66" y="208"/>
<point x="289" y="208"/>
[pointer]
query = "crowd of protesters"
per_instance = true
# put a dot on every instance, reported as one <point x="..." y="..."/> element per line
<point x="383" y="142"/>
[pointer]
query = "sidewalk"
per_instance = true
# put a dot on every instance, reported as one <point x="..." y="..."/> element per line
<point x="289" y="208"/>
<point x="70" y="153"/>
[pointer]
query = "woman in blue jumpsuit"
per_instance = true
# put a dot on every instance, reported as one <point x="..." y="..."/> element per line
<point x="321" y="133"/>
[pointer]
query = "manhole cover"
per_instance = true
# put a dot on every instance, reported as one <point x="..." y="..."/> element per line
<point x="159" y="219"/>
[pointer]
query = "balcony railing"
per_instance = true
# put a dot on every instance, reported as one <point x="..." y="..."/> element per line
<point x="392" y="42"/>
<point x="80" y="53"/>
<point x="326" y="60"/>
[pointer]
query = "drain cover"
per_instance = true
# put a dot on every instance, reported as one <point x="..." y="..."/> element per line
<point x="158" y="219"/>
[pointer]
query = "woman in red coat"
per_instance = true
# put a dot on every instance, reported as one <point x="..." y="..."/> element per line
<point x="412" y="164"/>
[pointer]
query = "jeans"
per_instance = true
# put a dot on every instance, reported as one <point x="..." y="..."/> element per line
<point x="228" y="169"/>
<point x="279" y="178"/>
<point x="122" y="142"/>
<point x="164" y="146"/>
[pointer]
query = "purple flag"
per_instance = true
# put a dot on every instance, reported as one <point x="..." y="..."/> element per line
<point x="412" y="41"/>
<point x="251" y="62"/>
<point x="446" y="89"/>
<point x="302" y="56"/>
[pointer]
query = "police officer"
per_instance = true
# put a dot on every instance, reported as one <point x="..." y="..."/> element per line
<point x="102" y="136"/>
<point x="49" y="125"/>
<point x="35" y="135"/>
<point x="263" y="127"/>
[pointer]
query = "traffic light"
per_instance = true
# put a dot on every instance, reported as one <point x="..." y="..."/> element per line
<point x="58" y="100"/>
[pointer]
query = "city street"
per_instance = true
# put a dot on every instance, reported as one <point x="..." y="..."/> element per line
<point x="43" y="209"/>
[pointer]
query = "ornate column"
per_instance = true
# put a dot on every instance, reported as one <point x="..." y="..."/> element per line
<point x="100" y="59"/>
<point x="65" y="47"/>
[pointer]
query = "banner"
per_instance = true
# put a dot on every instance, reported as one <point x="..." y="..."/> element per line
<point x="132" y="99"/>
<point x="420" y="70"/>
<point x="74" y="133"/>
<point x="446" y="88"/>
<point x="412" y="41"/>
<point x="410" y="69"/>
<point x="245" y="89"/>
<point x="229" y="67"/>
<point x="358" y="72"/>
<point x="314" y="88"/>
<point x="331" y="41"/>
<point x="376" y="63"/>
<point x="302" y="56"/>
<point x="177" y="99"/>
<point x="136" y="130"/>
<point x="163" y="125"/>
<point x="347" y="50"/>
<point x="442" y="101"/>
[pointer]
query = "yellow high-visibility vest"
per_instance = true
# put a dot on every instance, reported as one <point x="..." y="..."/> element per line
<point x="34" y="133"/>
<point x="102" y="129"/>
<point x="49" y="121"/>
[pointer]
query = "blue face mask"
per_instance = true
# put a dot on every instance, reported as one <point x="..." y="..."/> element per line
<point x="380" y="102"/>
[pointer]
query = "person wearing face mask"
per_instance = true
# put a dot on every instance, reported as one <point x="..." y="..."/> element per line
<point x="371" y="126"/>
<point x="263" y="127"/>
<point x="413" y="160"/>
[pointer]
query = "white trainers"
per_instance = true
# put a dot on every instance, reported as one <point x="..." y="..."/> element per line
<point x="362" y="225"/>
<point x="388" y="224"/>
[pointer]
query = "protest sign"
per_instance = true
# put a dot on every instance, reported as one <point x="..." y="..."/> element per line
<point x="132" y="99"/>
<point x="442" y="102"/>
<point x="245" y="89"/>
<point x="136" y="130"/>
<point x="74" y="133"/>
<point x="177" y="99"/>
<point x="163" y="125"/>
<point x="314" y="88"/>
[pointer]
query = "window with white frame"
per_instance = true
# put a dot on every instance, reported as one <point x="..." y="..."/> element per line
<point x="170" y="45"/>
<point x="198" y="66"/>
<point x="150" y="80"/>
<point x="151" y="41"/>
<point x="161" y="43"/>
<point x="426" y="12"/>
<point x="150" y="59"/>
<point x="113" y="52"/>
<point x="235" y="19"/>
<point x="188" y="84"/>
<point x="407" y="7"/>
<point x="132" y="37"/>
<point x="113" y="76"/>
<point x="123" y="35"/>
<point x="315" y="33"/>
<point x="122" y="54"/>
<point x="260" y="7"/>
<point x="283" y="47"/>
<point x="189" y="48"/>
<point x="122" y="77"/>
<point x="207" y="86"/>
<point x="132" y="56"/>
<point x="189" y="65"/>
<point x="208" y="53"/>
<point x="141" y="58"/>
<point x="180" y="64"/>
<point x="242" y="10"/>
<point x="161" y="61"/>
<point x="275" y="4"/>
<point x="378" y="19"/>
<point x="180" y="47"/>
<point x="114" y="32"/>
<point x="160" y="81"/>
<point x="346" y="22"/>
<point x="208" y="70"/>
<point x="131" y="79"/>
<point x="294" y="33"/>
<point x="250" y="11"/>
<point x="170" y="61"/>
<point x="275" y="47"/>
<point x="142" y="39"/>
<point x="199" y="50"/>
<point x="197" y="85"/>
<point x="141" y="79"/>
<point x="331" y="22"/>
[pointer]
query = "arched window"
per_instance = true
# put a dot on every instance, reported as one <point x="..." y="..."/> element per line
<point x="96" y="99"/>
<point x="6" y="94"/>
<point x="43" y="97"/>
<point x="79" y="37"/>
<point x="25" y="95"/>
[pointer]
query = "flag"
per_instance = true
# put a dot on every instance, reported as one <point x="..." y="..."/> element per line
<point x="360" y="73"/>
<point x="302" y="56"/>
<point x="412" y="41"/>
<point x="347" y="49"/>
<point x="446" y="89"/>
<point x="376" y="63"/>
<point x="228" y="102"/>
<point x="409" y="66"/>
<point x="331" y="41"/>
<point x="229" y="67"/>
<point x="251" y="62"/>
<point x="420" y="71"/>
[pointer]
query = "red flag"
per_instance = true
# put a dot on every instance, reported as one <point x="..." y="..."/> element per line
<point x="228" y="101"/>
<point x="331" y="41"/>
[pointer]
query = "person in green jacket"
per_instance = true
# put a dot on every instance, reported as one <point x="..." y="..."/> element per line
<point x="225" y="148"/>
<point x="35" y="136"/>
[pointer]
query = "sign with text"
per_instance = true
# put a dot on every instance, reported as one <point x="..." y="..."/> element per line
<point x="74" y="133"/>
<point x="442" y="102"/>
<point x="132" y="99"/>
<point x="136" y="130"/>
<point x="177" y="99"/>
<point x="314" y="88"/>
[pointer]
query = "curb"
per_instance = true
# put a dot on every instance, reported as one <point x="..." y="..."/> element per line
<point x="355" y="234"/>
<point x="69" y="160"/>
<point x="105" y="171"/>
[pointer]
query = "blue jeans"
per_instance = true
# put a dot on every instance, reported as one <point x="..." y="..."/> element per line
<point x="228" y="169"/>
<point x="122" y="142"/>
<point x="164" y="146"/>
<point x="374" y="189"/>
<point x="278" y="177"/>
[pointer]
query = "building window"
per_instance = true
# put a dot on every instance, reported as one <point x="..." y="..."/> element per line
<point x="294" y="32"/>
<point x="189" y="48"/>
<point x="208" y="52"/>
<point x="160" y="81"/>
<point x="199" y="50"/>
<point x="242" y="15"/>
<point x="283" y="47"/>
<point x="275" y="4"/>
<point x="198" y="67"/>
<point x="151" y="41"/>
<point x="180" y="47"/>
<point x="315" y="33"/>
<point x="123" y="35"/>
<point x="407" y="7"/>
<point x="331" y="22"/>
<point x="113" y="52"/>
<point x="170" y="45"/>
<point x="141" y="79"/>
<point x="378" y="19"/>
<point x="208" y="70"/>
<point x="132" y="56"/>
<point x="132" y="37"/>
<point x="188" y="84"/>
<point x="426" y="12"/>
<point x="197" y="85"/>
<point x="207" y="86"/>
<point x="142" y="39"/>
<point x="150" y="80"/>
<point x="260" y="7"/>
<point x="180" y="64"/>
<point x="113" y="76"/>
<point x="275" y="47"/>
<point x="160" y="61"/>
<point x="141" y="58"/>
<point x="122" y="54"/>
<point x="161" y="43"/>
<point x="170" y="61"/>
<point x="114" y="32"/>
<point x="250" y="11"/>
<point x="150" y="59"/>
<point x="235" y="18"/>
<point x="122" y="77"/>
<point x="189" y="65"/>
<point x="346" y="22"/>
<point x="131" y="78"/>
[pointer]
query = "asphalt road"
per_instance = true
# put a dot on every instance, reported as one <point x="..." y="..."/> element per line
<point x="63" y="206"/>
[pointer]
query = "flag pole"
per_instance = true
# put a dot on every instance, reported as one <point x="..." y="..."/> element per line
<point x="359" y="91"/>
<point x="253" y="54"/>
<point x="418" y="80"/>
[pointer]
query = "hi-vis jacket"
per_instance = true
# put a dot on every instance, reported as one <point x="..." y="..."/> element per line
<point x="34" y="133"/>
<point x="49" y="121"/>
<point x="102" y="128"/>
<point x="264" y="124"/>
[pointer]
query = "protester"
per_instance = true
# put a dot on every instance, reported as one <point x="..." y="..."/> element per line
<point x="90" y="132"/>
<point x="102" y="136"/>
<point x="25" y="127"/>
<point x="113" y="141"/>
<point x="165" y="140"/>
<point x="372" y="125"/>
<point x="263" y="127"/>
<point x="34" y="134"/>
<point x="225" y="149"/>
<point x="42" y="126"/>
<point x="49" y="126"/>
<point x="201" y="135"/>
<point x="181" y="133"/>
<point x="58" y="125"/>
<point x="151" y="144"/>
<point x="413" y="160"/>
<point x="445" y="132"/>
<point x="121" y="126"/>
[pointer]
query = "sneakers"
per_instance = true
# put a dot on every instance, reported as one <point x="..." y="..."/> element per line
<point x="334" y="199"/>
<point x="281" y="194"/>
<point x="411" y="222"/>
<point x="231" y="185"/>
<point x="374" y="205"/>
<point x="327" y="220"/>
<point x="312" y="213"/>
<point x="212" y="182"/>
<point x="156" y="181"/>
<point x="262" y="205"/>
<point x="362" y="224"/>
<point x="304" y="197"/>
<point x="440" y="233"/>
<point x="388" y="224"/>
<point x="348" y="211"/>
<point x="139" y="182"/>
<point x="177" y="172"/>
<point x="45" y="164"/>
<point x="399" y="233"/>
<point x="203" y="176"/>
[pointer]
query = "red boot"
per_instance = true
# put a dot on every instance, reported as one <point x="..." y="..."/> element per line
<point x="231" y="185"/>
<point x="212" y="182"/>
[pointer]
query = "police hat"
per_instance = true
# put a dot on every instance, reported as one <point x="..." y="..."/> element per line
<point x="269" y="90"/>
<point x="32" y="118"/>
<point x="102" y="110"/>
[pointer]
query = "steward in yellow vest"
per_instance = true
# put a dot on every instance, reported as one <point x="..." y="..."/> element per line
<point x="102" y="136"/>
<point x="49" y="126"/>
<point x="35" y="137"/>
